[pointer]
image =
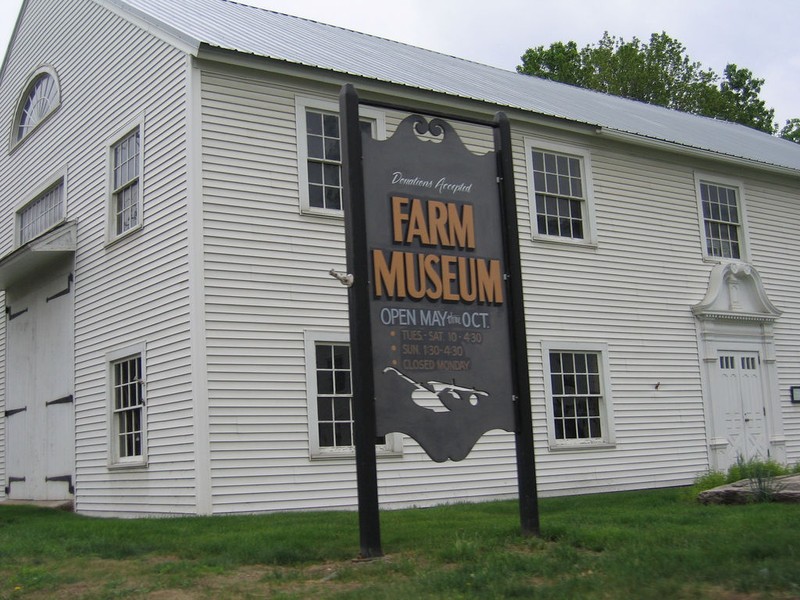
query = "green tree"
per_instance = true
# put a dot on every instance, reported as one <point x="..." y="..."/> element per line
<point x="791" y="131"/>
<point x="740" y="102"/>
<point x="658" y="72"/>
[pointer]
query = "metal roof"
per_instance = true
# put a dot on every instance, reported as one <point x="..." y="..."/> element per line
<point x="238" y="27"/>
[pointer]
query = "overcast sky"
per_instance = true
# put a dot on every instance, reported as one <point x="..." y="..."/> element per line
<point x="761" y="36"/>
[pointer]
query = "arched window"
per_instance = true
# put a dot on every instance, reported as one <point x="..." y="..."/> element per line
<point x="42" y="98"/>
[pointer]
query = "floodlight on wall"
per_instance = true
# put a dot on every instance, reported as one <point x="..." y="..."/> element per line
<point x="794" y="393"/>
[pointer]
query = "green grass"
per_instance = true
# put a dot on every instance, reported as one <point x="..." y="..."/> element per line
<point x="749" y="469"/>
<point x="654" y="544"/>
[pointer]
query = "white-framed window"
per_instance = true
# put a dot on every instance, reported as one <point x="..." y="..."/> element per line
<point x="41" y="97"/>
<point x="127" y="405"/>
<point x="578" y="395"/>
<point x="561" y="190"/>
<point x="125" y="181"/>
<point x="43" y="212"/>
<point x="319" y="155"/>
<point x="329" y="385"/>
<point x="722" y="217"/>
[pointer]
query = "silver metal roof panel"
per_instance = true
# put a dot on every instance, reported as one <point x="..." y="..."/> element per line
<point x="238" y="27"/>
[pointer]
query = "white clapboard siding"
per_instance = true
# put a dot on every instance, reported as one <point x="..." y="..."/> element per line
<point x="266" y="269"/>
<point x="773" y="216"/>
<point x="3" y="323"/>
<point x="636" y="299"/>
<point x="633" y="292"/>
<point x="136" y="290"/>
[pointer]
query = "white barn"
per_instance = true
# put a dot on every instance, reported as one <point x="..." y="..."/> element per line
<point x="168" y="218"/>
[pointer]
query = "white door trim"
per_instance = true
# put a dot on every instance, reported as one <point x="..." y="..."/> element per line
<point x="737" y="316"/>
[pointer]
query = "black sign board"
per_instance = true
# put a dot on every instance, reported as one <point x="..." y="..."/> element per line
<point x="438" y="294"/>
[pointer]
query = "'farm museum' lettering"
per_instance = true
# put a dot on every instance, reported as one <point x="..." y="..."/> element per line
<point x="435" y="224"/>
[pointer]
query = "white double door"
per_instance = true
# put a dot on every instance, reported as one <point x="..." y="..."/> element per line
<point x="740" y="402"/>
<point x="39" y="416"/>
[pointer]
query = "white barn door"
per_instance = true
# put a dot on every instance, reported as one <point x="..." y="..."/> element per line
<point x="40" y="424"/>
<point x="19" y="389"/>
<point x="742" y="398"/>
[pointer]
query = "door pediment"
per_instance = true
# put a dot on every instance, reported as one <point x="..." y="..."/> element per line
<point x="735" y="291"/>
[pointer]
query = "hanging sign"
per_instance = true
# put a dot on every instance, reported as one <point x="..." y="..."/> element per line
<point x="439" y="316"/>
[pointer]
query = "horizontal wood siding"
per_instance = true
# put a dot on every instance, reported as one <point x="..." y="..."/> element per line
<point x="266" y="274"/>
<point x="3" y="438"/>
<point x="133" y="291"/>
<point x="632" y="291"/>
<point x="266" y="270"/>
<point x="773" y="214"/>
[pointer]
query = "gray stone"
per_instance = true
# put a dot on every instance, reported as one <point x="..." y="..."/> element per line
<point x="783" y="489"/>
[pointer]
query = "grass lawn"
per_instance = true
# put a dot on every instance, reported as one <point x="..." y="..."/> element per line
<point x="655" y="544"/>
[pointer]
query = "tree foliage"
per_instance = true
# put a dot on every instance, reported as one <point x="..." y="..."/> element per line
<point x="740" y="102"/>
<point x="791" y="131"/>
<point x="658" y="72"/>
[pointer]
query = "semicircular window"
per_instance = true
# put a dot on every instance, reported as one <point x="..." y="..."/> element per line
<point x="41" y="99"/>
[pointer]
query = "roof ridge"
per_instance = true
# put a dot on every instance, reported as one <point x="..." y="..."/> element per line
<point x="369" y="35"/>
<point x="545" y="80"/>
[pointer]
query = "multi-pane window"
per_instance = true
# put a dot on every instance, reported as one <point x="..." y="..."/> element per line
<point x="319" y="156"/>
<point x="42" y="99"/>
<point x="41" y="214"/>
<point x="127" y="389"/>
<point x="721" y="220"/>
<point x="576" y="395"/>
<point x="324" y="160"/>
<point x="560" y="194"/>
<point x="329" y="378"/>
<point x="334" y="395"/>
<point x="126" y="189"/>
<point x="323" y="143"/>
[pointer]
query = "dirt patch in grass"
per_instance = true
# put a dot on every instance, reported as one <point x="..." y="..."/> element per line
<point x="260" y="582"/>
<point x="160" y="578"/>
<point x="720" y="593"/>
<point x="150" y="578"/>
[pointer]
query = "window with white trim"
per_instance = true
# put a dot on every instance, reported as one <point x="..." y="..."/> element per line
<point x="578" y="395"/>
<point x="41" y="213"/>
<point x="125" y="163"/>
<point x="334" y="395"/>
<point x="42" y="97"/>
<point x="722" y="216"/>
<point x="330" y="397"/>
<point x="561" y="191"/>
<point x="127" y="399"/>
<point x="320" y="152"/>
